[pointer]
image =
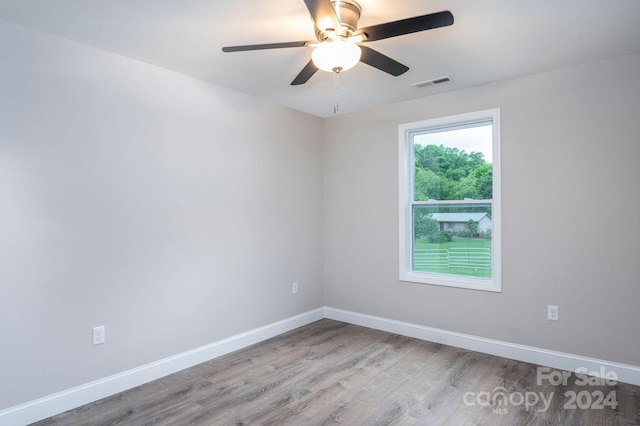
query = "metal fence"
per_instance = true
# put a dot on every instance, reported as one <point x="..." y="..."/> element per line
<point x="476" y="258"/>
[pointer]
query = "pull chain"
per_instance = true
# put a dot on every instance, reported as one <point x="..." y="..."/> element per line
<point x="336" y="90"/>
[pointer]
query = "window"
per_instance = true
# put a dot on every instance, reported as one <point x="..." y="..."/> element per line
<point x="450" y="201"/>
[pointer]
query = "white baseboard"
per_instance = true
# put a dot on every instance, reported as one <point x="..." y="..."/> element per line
<point x="560" y="360"/>
<point x="66" y="400"/>
<point x="69" y="399"/>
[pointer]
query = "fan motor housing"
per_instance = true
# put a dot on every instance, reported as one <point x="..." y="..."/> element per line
<point x="348" y="13"/>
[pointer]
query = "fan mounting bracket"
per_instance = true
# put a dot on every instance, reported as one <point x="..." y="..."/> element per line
<point x="348" y="13"/>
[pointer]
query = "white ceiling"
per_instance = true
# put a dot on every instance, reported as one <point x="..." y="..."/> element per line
<point x="490" y="40"/>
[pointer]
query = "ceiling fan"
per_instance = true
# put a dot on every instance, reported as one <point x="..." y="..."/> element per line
<point x="338" y="35"/>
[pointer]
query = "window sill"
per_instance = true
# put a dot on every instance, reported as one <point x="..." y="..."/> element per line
<point x="471" y="283"/>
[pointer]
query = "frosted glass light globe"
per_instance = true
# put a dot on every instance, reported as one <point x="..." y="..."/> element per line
<point x="336" y="56"/>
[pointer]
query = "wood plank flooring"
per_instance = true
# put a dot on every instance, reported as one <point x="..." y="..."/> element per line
<point x="330" y="372"/>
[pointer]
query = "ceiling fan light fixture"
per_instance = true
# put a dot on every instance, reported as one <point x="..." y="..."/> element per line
<point x="336" y="55"/>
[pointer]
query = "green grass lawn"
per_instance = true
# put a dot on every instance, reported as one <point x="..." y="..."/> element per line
<point x="440" y="254"/>
<point x="457" y="242"/>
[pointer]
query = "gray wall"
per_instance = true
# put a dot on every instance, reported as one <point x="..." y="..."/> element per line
<point x="173" y="212"/>
<point x="570" y="152"/>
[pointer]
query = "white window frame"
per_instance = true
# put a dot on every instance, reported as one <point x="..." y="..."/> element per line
<point x="406" y="169"/>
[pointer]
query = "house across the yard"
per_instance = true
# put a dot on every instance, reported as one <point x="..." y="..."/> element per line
<point x="458" y="221"/>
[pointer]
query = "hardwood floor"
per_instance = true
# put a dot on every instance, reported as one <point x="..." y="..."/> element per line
<point x="330" y="372"/>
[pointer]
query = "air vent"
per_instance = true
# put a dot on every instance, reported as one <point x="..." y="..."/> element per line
<point x="432" y="82"/>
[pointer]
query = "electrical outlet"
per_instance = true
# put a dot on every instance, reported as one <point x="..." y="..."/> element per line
<point x="552" y="313"/>
<point x="98" y="335"/>
<point x="294" y="288"/>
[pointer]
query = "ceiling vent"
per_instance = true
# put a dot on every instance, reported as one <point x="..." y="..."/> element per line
<point x="433" y="82"/>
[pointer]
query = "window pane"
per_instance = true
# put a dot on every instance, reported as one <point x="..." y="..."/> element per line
<point x="453" y="239"/>
<point x="452" y="200"/>
<point x="453" y="163"/>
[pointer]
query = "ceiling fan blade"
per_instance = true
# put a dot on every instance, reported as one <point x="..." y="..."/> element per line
<point x="307" y="72"/>
<point x="323" y="14"/>
<point x="408" y="26"/>
<point x="382" y="62"/>
<point x="264" y="46"/>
